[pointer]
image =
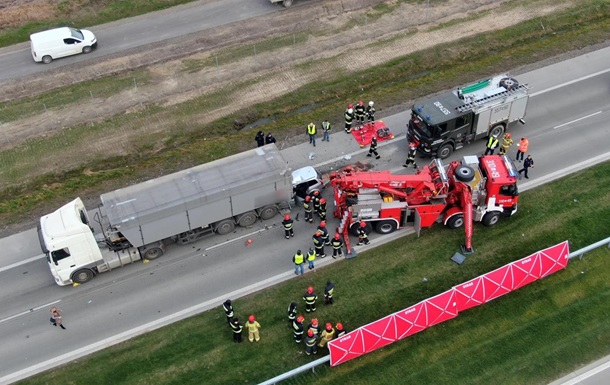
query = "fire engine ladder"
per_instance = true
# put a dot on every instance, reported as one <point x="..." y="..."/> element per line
<point x="486" y="99"/>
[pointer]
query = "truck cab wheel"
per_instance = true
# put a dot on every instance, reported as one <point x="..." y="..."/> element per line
<point x="152" y="253"/>
<point x="491" y="218"/>
<point x="456" y="221"/>
<point x="385" y="227"/>
<point x="47" y="59"/>
<point x="497" y="131"/>
<point x="445" y="151"/>
<point x="82" y="275"/>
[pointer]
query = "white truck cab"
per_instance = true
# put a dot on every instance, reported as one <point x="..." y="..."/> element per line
<point x="60" y="42"/>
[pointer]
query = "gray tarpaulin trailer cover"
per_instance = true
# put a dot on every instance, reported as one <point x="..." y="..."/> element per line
<point x="160" y="208"/>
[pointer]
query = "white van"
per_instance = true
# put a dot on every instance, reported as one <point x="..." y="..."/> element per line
<point x="60" y="42"/>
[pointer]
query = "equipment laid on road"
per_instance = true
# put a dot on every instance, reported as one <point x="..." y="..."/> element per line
<point x="476" y="189"/>
<point x="285" y="3"/>
<point x="183" y="206"/>
<point x="447" y="122"/>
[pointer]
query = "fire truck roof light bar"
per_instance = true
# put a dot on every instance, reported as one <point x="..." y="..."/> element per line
<point x="510" y="166"/>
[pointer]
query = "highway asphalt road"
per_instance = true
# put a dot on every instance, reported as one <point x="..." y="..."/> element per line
<point x="123" y="35"/>
<point x="566" y="123"/>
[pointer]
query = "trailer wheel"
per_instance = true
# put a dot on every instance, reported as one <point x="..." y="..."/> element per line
<point x="456" y="221"/>
<point x="445" y="151"/>
<point x="47" y="59"/>
<point x="87" y="49"/>
<point x="268" y="212"/>
<point x="464" y="174"/>
<point x="247" y="219"/>
<point x="491" y="218"/>
<point x="385" y="227"/>
<point x="509" y="83"/>
<point x="354" y="228"/>
<point x="152" y="253"/>
<point x="287" y="3"/>
<point x="82" y="275"/>
<point x="225" y="227"/>
<point x="497" y="130"/>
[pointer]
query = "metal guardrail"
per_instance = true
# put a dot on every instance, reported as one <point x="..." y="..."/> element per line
<point x="312" y="365"/>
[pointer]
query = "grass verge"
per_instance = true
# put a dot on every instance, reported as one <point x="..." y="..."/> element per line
<point x="195" y="140"/>
<point x="530" y="336"/>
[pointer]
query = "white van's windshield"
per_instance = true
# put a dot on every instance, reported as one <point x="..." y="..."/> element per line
<point x="77" y="34"/>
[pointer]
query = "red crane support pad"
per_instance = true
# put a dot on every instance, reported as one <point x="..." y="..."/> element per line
<point x="363" y="134"/>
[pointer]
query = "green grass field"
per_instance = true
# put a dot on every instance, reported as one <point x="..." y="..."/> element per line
<point x="530" y="336"/>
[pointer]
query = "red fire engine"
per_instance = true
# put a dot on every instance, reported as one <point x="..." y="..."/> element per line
<point x="476" y="189"/>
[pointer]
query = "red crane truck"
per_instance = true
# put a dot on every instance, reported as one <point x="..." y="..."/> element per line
<point x="481" y="189"/>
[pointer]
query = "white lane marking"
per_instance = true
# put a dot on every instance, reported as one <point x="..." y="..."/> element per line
<point x="590" y="373"/>
<point x="21" y="263"/>
<point x="30" y="311"/>
<point x="237" y="239"/>
<point x="577" y="120"/>
<point x="558" y="86"/>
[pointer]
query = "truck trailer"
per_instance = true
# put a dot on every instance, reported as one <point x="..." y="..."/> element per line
<point x="447" y="122"/>
<point x="138" y="221"/>
<point x="477" y="189"/>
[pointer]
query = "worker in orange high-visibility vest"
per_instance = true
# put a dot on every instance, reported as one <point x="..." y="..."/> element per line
<point x="522" y="149"/>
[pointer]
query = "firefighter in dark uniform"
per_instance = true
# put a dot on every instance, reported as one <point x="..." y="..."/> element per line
<point x="228" y="308"/>
<point x="329" y="290"/>
<point x="308" y="207"/>
<point x="297" y="328"/>
<point x="370" y="112"/>
<point x="269" y="139"/>
<point x="237" y="328"/>
<point x="349" y="118"/>
<point x="337" y="244"/>
<point x="359" y="112"/>
<point x="288" y="224"/>
<point x="322" y="209"/>
<point x="373" y="148"/>
<point x="313" y="326"/>
<point x="363" y="239"/>
<point x="292" y="312"/>
<point x="340" y="331"/>
<point x="411" y="156"/>
<point x="311" y="346"/>
<point x="260" y="139"/>
<point x="310" y="300"/>
<point x="324" y="231"/>
<point x="315" y="199"/>
<point x="318" y="242"/>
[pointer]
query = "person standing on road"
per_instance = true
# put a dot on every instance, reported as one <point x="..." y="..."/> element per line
<point x="292" y="312"/>
<point x="299" y="260"/>
<point x="492" y="143"/>
<point x="56" y="318"/>
<point x="297" y="328"/>
<point x="260" y="139"/>
<point x="337" y="244"/>
<point x="310" y="300"/>
<point x="329" y="290"/>
<point x="370" y="112"/>
<point x="237" y="328"/>
<point x="322" y="209"/>
<point x="373" y="148"/>
<point x="311" y="257"/>
<point x="324" y="230"/>
<point x="506" y="143"/>
<point x="310" y="343"/>
<point x="253" y="329"/>
<point x="326" y="130"/>
<point x="308" y="207"/>
<point x="269" y="139"/>
<point x="318" y="242"/>
<point x="411" y="156"/>
<point x="522" y="149"/>
<point x="315" y="199"/>
<point x="363" y="238"/>
<point x="228" y="308"/>
<point x="359" y="112"/>
<point x="288" y="224"/>
<point x="311" y="131"/>
<point x="527" y="163"/>
<point x="349" y="119"/>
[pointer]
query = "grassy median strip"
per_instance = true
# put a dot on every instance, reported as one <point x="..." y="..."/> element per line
<point x="530" y="336"/>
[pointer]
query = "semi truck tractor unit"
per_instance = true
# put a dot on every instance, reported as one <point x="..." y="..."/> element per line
<point x="447" y="122"/>
<point x="138" y="221"/>
<point x="476" y="189"/>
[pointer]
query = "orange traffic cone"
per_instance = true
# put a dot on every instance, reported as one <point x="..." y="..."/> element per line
<point x="248" y="242"/>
